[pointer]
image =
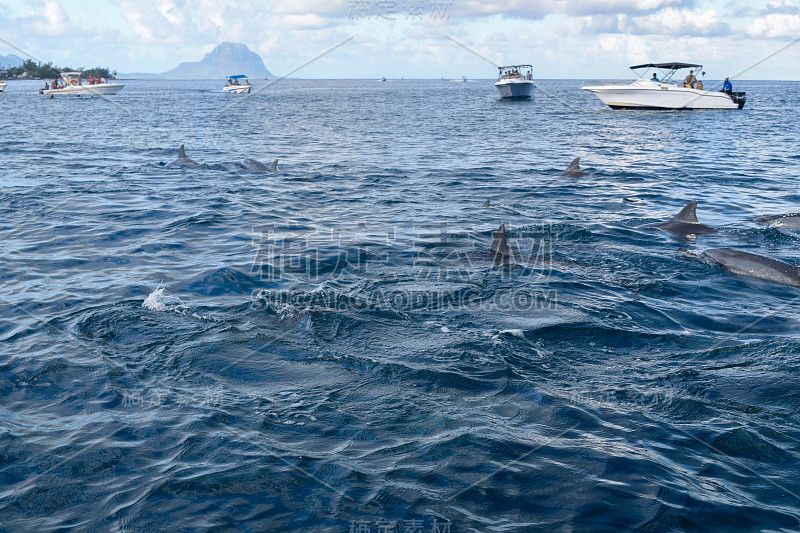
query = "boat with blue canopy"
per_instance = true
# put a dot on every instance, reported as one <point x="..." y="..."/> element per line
<point x="237" y="84"/>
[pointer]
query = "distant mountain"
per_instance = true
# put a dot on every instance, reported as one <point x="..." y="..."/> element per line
<point x="222" y="61"/>
<point x="11" y="60"/>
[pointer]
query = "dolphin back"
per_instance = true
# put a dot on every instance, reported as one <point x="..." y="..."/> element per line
<point x="687" y="214"/>
<point x="574" y="169"/>
<point x="257" y="166"/>
<point x="499" y="243"/>
<point x="755" y="266"/>
<point x="788" y="220"/>
<point x="181" y="153"/>
<point x="685" y="222"/>
<point x="575" y="165"/>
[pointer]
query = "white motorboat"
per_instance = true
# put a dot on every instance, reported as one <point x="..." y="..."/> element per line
<point x="74" y="86"/>
<point x="235" y="85"/>
<point x="2" y="85"/>
<point x="664" y="93"/>
<point x="514" y="82"/>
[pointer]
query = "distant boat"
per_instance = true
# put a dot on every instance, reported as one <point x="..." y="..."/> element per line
<point x="382" y="79"/>
<point x="463" y="78"/>
<point x="74" y="86"/>
<point x="235" y="86"/>
<point x="2" y="85"/>
<point x="512" y="83"/>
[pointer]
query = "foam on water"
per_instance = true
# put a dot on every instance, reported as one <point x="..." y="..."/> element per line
<point x="158" y="300"/>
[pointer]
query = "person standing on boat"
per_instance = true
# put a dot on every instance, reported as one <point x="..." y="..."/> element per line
<point x="654" y="78"/>
<point x="699" y="85"/>
<point x="690" y="80"/>
<point x="727" y="87"/>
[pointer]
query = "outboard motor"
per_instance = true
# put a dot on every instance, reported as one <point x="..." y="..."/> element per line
<point x="739" y="98"/>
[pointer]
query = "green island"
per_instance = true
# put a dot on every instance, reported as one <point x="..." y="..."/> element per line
<point x="31" y="70"/>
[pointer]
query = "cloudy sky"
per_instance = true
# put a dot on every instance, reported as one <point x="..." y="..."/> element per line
<point x="583" y="39"/>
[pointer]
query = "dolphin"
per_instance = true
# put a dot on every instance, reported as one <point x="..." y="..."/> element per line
<point x="500" y="249"/>
<point x="183" y="161"/>
<point x="685" y="222"/>
<point x="486" y="203"/>
<point x="789" y="220"/>
<point x="754" y="266"/>
<point x="574" y="169"/>
<point x="258" y="166"/>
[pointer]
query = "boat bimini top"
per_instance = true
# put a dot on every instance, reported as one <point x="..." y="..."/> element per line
<point x="668" y="70"/>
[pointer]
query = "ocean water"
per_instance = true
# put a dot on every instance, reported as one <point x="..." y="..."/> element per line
<point x="332" y="348"/>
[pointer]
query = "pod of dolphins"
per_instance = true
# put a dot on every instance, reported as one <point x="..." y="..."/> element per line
<point x="252" y="165"/>
<point x="686" y="223"/>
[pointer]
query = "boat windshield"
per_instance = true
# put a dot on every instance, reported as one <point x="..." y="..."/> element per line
<point x="512" y="72"/>
<point x="667" y="70"/>
<point x="71" y="78"/>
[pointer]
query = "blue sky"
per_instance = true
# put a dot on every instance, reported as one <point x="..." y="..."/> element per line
<point x="584" y="39"/>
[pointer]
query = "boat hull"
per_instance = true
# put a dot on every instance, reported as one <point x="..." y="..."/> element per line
<point x="101" y="89"/>
<point x="234" y="89"/>
<point x="515" y="88"/>
<point x="656" y="95"/>
<point x="2" y="86"/>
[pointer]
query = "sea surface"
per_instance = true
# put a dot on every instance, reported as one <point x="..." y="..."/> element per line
<point x="332" y="348"/>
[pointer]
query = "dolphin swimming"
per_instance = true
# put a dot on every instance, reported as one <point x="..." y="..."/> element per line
<point x="500" y="248"/>
<point x="754" y="266"/>
<point x="486" y="203"/>
<point x="685" y="222"/>
<point x="789" y="220"/>
<point x="257" y="166"/>
<point x="183" y="161"/>
<point x="574" y="169"/>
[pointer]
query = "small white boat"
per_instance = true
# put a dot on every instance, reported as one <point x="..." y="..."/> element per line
<point x="2" y="85"/>
<point x="72" y="85"/>
<point x="514" y="82"/>
<point x="664" y="93"/>
<point x="236" y="85"/>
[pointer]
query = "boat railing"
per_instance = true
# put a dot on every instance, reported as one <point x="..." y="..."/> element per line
<point x="607" y="82"/>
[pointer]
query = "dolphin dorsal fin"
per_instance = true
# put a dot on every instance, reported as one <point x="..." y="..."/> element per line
<point x="181" y="153"/>
<point x="273" y="167"/>
<point x="499" y="243"/>
<point x="574" y="166"/>
<point x="486" y="203"/>
<point x="688" y="214"/>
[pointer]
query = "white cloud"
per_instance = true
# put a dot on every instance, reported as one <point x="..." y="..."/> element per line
<point x="538" y="9"/>
<point x="48" y="18"/>
<point x="787" y="7"/>
<point x="681" y="22"/>
<point x="563" y="38"/>
<point x="775" y="26"/>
